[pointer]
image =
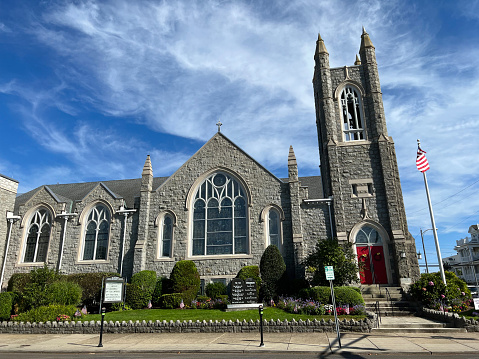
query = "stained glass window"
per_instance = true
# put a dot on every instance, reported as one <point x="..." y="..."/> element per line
<point x="274" y="234"/>
<point x="97" y="232"/>
<point x="166" y="236"/>
<point x="220" y="217"/>
<point x="38" y="236"/>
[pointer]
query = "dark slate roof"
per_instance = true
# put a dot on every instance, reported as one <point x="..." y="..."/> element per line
<point x="130" y="188"/>
<point x="71" y="192"/>
<point x="314" y="184"/>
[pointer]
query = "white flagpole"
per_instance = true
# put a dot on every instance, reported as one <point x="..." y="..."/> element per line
<point x="433" y="223"/>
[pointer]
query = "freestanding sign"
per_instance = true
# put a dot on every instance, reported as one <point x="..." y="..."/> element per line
<point x="329" y="271"/>
<point x="113" y="291"/>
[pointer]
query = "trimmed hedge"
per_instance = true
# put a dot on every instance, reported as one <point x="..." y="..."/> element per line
<point x="185" y="280"/>
<point x="140" y="289"/>
<point x="46" y="313"/>
<point x="171" y="301"/>
<point x="272" y="268"/>
<point x="90" y="284"/>
<point x="344" y="295"/>
<point x="250" y="272"/>
<point x="215" y="290"/>
<point x="6" y="305"/>
<point x="64" y="293"/>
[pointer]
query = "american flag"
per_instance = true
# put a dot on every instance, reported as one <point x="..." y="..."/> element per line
<point x="182" y="305"/>
<point x="421" y="160"/>
<point x="149" y="305"/>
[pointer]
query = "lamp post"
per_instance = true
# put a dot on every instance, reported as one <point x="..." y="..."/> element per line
<point x="423" y="248"/>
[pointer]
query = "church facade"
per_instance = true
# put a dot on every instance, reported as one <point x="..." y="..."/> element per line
<point x="221" y="208"/>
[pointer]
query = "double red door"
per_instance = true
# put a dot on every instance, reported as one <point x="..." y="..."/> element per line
<point x="372" y="265"/>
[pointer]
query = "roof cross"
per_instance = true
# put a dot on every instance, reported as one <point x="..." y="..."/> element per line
<point x="219" y="124"/>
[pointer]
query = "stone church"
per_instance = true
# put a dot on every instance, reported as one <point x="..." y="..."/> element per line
<point x="221" y="208"/>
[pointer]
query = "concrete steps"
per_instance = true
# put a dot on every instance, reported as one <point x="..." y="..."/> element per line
<point x="390" y="300"/>
<point x="412" y="324"/>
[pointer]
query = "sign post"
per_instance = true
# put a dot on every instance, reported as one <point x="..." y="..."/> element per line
<point x="329" y="271"/>
<point x="112" y="292"/>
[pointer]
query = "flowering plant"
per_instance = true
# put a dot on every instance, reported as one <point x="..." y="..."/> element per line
<point x="63" y="318"/>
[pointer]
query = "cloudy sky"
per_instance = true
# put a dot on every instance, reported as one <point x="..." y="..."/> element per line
<point x="89" y="88"/>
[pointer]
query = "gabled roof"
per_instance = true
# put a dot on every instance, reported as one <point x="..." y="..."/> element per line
<point x="219" y="134"/>
<point x="128" y="189"/>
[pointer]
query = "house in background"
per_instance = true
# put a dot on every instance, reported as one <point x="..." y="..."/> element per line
<point x="466" y="262"/>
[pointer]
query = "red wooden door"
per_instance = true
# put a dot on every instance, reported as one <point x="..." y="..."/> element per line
<point x="372" y="265"/>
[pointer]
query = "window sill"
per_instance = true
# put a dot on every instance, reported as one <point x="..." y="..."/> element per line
<point x="164" y="259"/>
<point x="226" y="256"/>
<point x="30" y="264"/>
<point x="99" y="261"/>
<point x="356" y="142"/>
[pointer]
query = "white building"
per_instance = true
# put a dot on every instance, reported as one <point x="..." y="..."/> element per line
<point x="466" y="262"/>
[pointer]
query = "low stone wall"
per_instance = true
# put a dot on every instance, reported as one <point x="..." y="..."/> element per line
<point x="453" y="319"/>
<point x="91" y="327"/>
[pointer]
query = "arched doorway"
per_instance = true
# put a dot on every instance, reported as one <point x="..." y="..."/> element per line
<point x="371" y="256"/>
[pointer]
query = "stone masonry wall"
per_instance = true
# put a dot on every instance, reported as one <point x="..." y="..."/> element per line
<point x="8" y="192"/>
<point x="219" y="153"/>
<point x="91" y="327"/>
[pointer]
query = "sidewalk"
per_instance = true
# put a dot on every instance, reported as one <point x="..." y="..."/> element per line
<point x="320" y="343"/>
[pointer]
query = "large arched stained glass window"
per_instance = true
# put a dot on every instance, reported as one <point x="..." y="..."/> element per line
<point x="220" y="217"/>
<point x="97" y="231"/>
<point x="351" y="111"/>
<point x="38" y="236"/>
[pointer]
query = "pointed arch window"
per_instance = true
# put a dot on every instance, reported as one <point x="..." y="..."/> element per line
<point x="352" y="114"/>
<point x="220" y="225"/>
<point x="38" y="236"/>
<point x="274" y="228"/>
<point x="166" y="237"/>
<point x="96" y="235"/>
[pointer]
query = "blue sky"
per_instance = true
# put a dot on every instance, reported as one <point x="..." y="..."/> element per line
<point x="89" y="88"/>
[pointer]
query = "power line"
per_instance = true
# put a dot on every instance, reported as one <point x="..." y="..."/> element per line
<point x="445" y="199"/>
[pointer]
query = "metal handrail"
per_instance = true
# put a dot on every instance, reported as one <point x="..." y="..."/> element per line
<point x="389" y="298"/>
<point x="378" y="314"/>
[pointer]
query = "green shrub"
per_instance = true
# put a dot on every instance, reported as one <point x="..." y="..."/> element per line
<point x="171" y="301"/>
<point x="64" y="293"/>
<point x="6" y="305"/>
<point x="140" y="289"/>
<point x="46" y="313"/>
<point x="344" y="295"/>
<point x="272" y="268"/>
<point x="162" y="286"/>
<point x="35" y="292"/>
<point x="215" y="290"/>
<point x="330" y="253"/>
<point x="185" y="280"/>
<point x="431" y="291"/>
<point x="348" y="295"/>
<point x="250" y="272"/>
<point x="17" y="282"/>
<point x="90" y="284"/>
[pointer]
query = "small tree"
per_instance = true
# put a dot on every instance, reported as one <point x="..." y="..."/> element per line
<point x="140" y="289"/>
<point x="331" y="253"/>
<point x="185" y="280"/>
<point x="272" y="268"/>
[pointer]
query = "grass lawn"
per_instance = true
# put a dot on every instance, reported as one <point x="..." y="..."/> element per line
<point x="468" y="314"/>
<point x="208" y="314"/>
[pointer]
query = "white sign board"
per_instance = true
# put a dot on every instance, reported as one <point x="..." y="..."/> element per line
<point x="476" y="303"/>
<point x="329" y="272"/>
<point x="113" y="292"/>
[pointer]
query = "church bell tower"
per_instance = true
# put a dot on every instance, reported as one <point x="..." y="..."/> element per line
<point x="359" y="168"/>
